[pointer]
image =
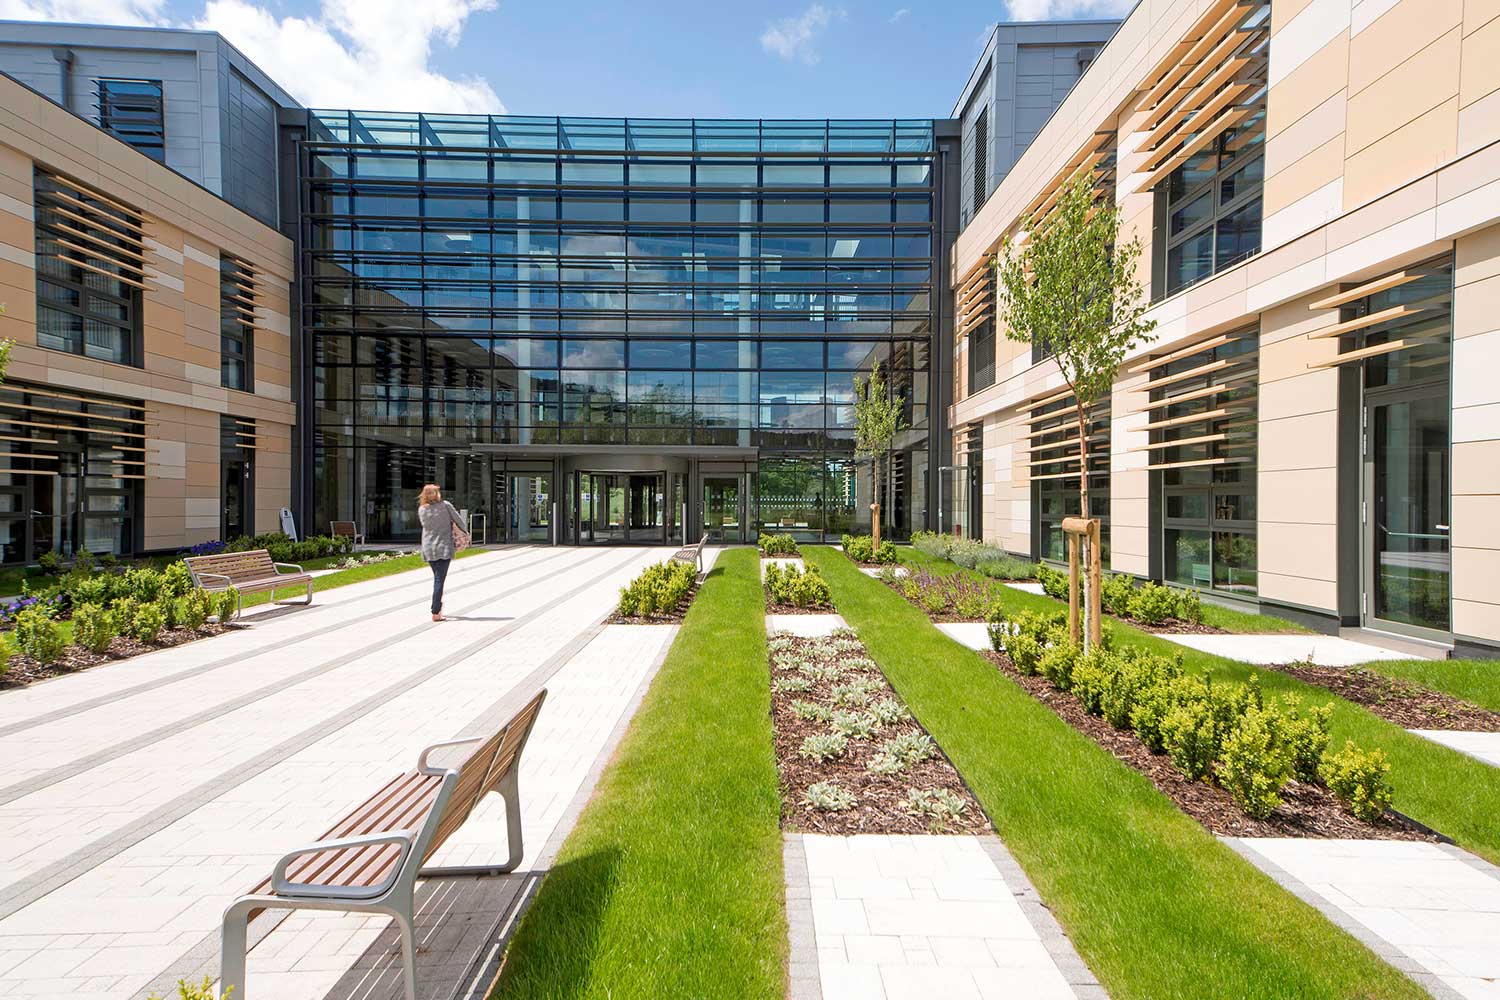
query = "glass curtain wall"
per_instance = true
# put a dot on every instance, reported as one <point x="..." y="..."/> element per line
<point x="488" y="281"/>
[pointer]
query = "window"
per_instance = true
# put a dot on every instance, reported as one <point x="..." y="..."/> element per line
<point x="1203" y="446"/>
<point x="132" y="110"/>
<point x="90" y="258"/>
<point x="1209" y="209"/>
<point x="1054" y="469"/>
<point x="236" y="477"/>
<point x="982" y="357"/>
<point x="981" y="158"/>
<point x="236" y="324"/>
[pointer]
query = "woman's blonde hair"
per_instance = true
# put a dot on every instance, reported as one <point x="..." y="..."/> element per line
<point x="430" y="494"/>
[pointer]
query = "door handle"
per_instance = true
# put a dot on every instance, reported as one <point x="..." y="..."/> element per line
<point x="1440" y="527"/>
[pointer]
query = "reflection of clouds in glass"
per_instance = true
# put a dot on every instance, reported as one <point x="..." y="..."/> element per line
<point x="593" y="354"/>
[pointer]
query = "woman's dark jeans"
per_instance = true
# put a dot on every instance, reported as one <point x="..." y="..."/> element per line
<point x="439" y="577"/>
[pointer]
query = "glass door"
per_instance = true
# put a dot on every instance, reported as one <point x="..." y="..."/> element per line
<point x="528" y="515"/>
<point x="723" y="509"/>
<point x="648" y="523"/>
<point x="1408" y="562"/>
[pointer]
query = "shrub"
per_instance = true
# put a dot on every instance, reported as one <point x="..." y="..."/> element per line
<point x="999" y="627"/>
<point x="855" y="725"/>
<point x="1360" y="780"/>
<point x="1091" y="675"/>
<point x="1306" y="735"/>
<point x="1054" y="582"/>
<point x="94" y="627"/>
<point x="802" y="588"/>
<point x="49" y="562"/>
<point x="1057" y="665"/>
<point x="1189" y="607"/>
<point x="932" y="544"/>
<point x="1152" y="603"/>
<point x="144" y="584"/>
<point x="147" y="623"/>
<point x="1192" y="736"/>
<point x="1116" y="594"/>
<point x="1006" y="567"/>
<point x="778" y="545"/>
<point x="967" y="552"/>
<point x="861" y="549"/>
<point x="94" y="590"/>
<point x="823" y="746"/>
<point x="193" y="610"/>
<point x="222" y="605"/>
<point x="1025" y="654"/>
<point x="38" y="635"/>
<point x="176" y="580"/>
<point x="1137" y="672"/>
<point x="659" y="589"/>
<point x="1255" y="762"/>
<point x="168" y="607"/>
<point x="939" y="805"/>
<point x="196" y="991"/>
<point x="827" y="796"/>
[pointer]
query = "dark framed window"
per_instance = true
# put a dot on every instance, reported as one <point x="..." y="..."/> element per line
<point x="1204" y="452"/>
<point x="1208" y="211"/>
<point x="90" y="256"/>
<point x="981" y="158"/>
<point x="133" y="110"/>
<point x="982" y="357"/>
<point x="236" y="477"/>
<point x="236" y="324"/>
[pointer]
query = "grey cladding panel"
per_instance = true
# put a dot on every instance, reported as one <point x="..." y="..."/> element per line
<point x="250" y="149"/>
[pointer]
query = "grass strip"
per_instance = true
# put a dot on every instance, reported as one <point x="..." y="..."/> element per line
<point x="1248" y="622"/>
<point x="671" y="884"/>
<point x="1477" y="681"/>
<point x="1451" y="792"/>
<point x="1158" y="908"/>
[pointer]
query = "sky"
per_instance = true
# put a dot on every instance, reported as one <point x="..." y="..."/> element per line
<point x="649" y="58"/>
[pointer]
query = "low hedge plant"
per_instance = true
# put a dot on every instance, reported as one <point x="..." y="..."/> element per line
<point x="862" y="549"/>
<point x="658" y="590"/>
<point x="797" y="587"/>
<point x="778" y="545"/>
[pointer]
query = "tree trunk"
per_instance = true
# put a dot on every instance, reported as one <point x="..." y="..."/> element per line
<point x="1084" y="548"/>
<point x="875" y="504"/>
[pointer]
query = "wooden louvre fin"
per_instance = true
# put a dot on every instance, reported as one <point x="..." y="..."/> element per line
<point x="1226" y="121"/>
<point x="124" y="256"/>
<point x="1179" y="124"/>
<point x="1093" y="474"/>
<point x="1085" y="159"/>
<point x="1180" y="58"/>
<point x="69" y="427"/>
<point x="1177" y="443"/>
<point x="1151" y="364"/>
<point x="1367" y="289"/>
<point x="101" y="214"/>
<point x="1378" y="317"/>
<point x="1191" y="373"/>
<point x="99" y="270"/>
<point x="54" y="394"/>
<point x="32" y="407"/>
<point x="1212" y="390"/>
<point x="1197" y="462"/>
<point x="6" y="437"/>
<point x="132" y="213"/>
<point x="125" y="238"/>
<point x="1389" y="347"/>
<point x="1192" y="418"/>
<point x="1071" y="442"/>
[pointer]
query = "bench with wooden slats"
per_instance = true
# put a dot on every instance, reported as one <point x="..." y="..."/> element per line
<point x="371" y="859"/>
<point x="248" y="572"/>
<point x="692" y="554"/>
<point x="346" y="529"/>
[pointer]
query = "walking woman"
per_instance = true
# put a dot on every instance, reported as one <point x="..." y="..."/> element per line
<point x="442" y="534"/>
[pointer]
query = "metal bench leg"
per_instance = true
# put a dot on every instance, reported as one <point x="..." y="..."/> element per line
<point x="405" y="921"/>
<point x="510" y="792"/>
<point x="232" y="950"/>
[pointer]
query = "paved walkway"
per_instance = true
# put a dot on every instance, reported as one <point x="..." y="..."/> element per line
<point x="1431" y="910"/>
<point x="921" y="917"/>
<point x="141" y="797"/>
<point x="1323" y="650"/>
<point x="1480" y="746"/>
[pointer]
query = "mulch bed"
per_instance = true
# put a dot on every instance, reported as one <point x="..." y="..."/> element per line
<point x="673" y="617"/>
<point x="1404" y="703"/>
<point x="1306" y="810"/>
<point x="878" y="797"/>
<point x="23" y="670"/>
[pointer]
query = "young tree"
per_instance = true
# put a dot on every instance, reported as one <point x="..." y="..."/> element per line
<point x="1071" y="288"/>
<point x="878" y="417"/>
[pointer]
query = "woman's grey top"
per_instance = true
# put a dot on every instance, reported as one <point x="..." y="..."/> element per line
<point x="437" y="520"/>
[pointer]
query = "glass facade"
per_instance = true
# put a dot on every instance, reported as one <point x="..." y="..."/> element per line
<point x="509" y="291"/>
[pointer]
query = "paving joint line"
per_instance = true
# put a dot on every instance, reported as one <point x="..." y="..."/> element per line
<point x="72" y="769"/>
<point x="201" y="959"/>
<point x="59" y="714"/>
<point x="25" y="891"/>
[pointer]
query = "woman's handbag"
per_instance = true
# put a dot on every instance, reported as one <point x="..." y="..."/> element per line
<point x="461" y="538"/>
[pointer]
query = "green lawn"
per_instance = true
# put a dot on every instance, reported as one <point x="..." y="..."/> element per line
<point x="1449" y="791"/>
<point x="670" y="886"/>
<point x="1472" y="680"/>
<point x="1247" y="622"/>
<point x="1155" y="904"/>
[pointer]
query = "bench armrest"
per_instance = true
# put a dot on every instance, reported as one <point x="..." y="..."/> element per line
<point x="201" y="576"/>
<point x="282" y="887"/>
<point x="289" y="566"/>
<point x="422" y="760"/>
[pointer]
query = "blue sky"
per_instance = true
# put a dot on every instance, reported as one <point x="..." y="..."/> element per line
<point x="666" y="58"/>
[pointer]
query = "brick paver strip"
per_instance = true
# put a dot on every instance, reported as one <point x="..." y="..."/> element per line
<point x="804" y="981"/>
<point x="203" y="957"/>
<point x="87" y="762"/>
<point x="114" y="696"/>
<point x="28" y="890"/>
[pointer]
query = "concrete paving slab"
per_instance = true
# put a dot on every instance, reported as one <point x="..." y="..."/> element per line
<point x="1324" y="650"/>
<point x="1481" y="746"/>
<point x="975" y="635"/>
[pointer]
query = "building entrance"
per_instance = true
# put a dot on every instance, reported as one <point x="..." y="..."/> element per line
<point x="615" y="507"/>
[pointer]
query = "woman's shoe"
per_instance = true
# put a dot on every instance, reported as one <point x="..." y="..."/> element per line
<point x="437" y="617"/>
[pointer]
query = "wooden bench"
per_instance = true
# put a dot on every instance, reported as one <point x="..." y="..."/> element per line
<point x="248" y="573"/>
<point x="370" y="860"/>
<point x="692" y="554"/>
<point x="346" y="529"/>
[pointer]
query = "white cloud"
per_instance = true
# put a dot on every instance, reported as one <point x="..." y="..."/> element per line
<point x="134" y="12"/>
<point x="1051" y="10"/>
<point x="368" y="54"/>
<point x="795" y="38"/>
<point x="900" y="14"/>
